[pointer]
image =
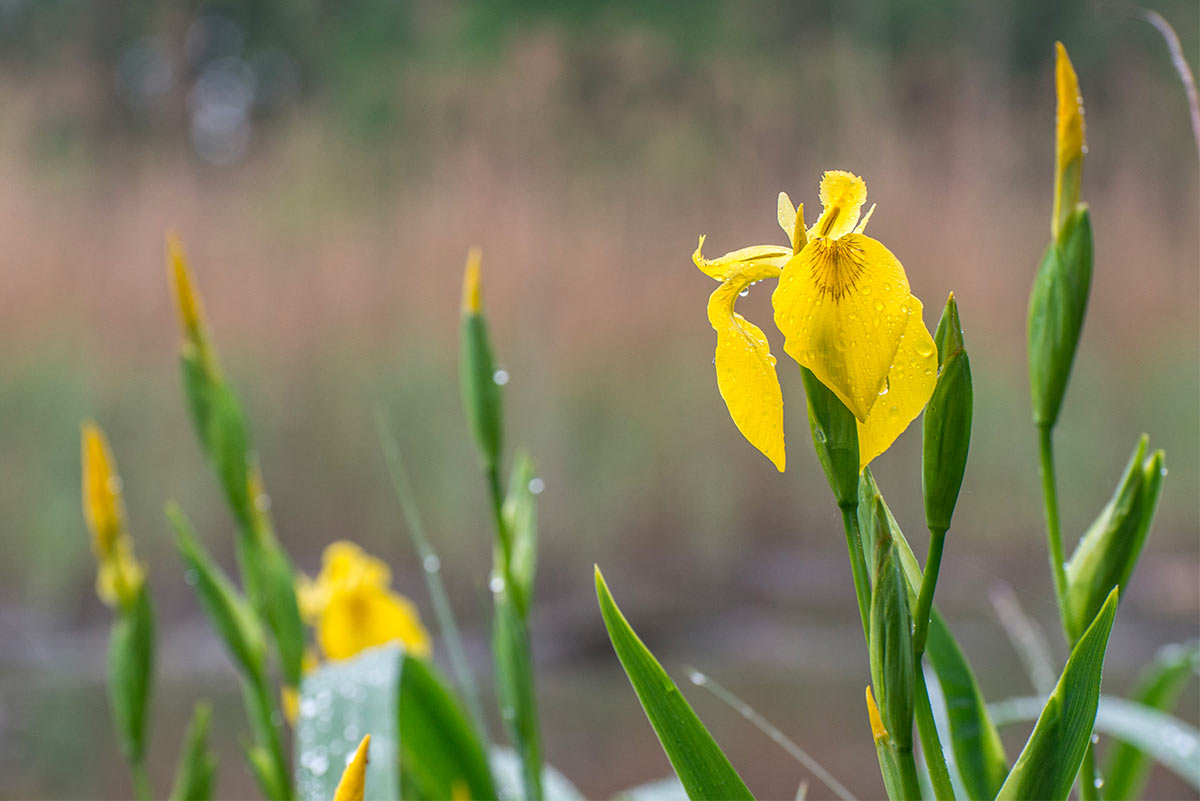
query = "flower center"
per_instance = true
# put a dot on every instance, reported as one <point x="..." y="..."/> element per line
<point x="836" y="266"/>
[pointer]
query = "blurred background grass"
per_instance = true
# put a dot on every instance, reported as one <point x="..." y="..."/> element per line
<point x="328" y="165"/>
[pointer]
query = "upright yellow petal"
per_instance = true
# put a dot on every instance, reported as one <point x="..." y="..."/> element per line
<point x="843" y="306"/>
<point x="908" y="386"/>
<point x="187" y="302"/>
<point x="736" y="262"/>
<point x="842" y="196"/>
<point x="877" y="729"/>
<point x="746" y="374"/>
<point x="787" y="215"/>
<point x="1069" y="138"/>
<point x="354" y="778"/>
<point x="470" y="298"/>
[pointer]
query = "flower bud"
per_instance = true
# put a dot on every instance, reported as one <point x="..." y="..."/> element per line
<point x="946" y="427"/>
<point x="893" y="670"/>
<point x="477" y="371"/>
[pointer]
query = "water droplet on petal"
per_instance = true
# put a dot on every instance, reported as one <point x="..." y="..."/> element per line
<point x="878" y="305"/>
<point x="744" y="292"/>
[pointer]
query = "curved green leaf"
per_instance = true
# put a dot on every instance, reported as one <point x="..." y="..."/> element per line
<point x="1051" y="758"/>
<point x="699" y="762"/>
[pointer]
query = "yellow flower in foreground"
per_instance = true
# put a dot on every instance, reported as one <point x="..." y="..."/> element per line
<point x="119" y="575"/>
<point x="352" y="607"/>
<point x="844" y="306"/>
<point x="354" y="778"/>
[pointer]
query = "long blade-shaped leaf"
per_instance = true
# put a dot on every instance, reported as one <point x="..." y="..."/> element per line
<point x="1051" y="758"/>
<point x="699" y="762"/>
<point x="1158" y="688"/>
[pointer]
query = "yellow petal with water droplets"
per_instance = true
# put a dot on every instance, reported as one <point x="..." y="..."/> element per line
<point x="354" y="778"/>
<point x="909" y="385"/>
<point x="738" y="261"/>
<point x="843" y="306"/>
<point x="746" y="375"/>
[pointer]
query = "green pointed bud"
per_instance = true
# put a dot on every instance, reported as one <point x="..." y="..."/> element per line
<point x="196" y="775"/>
<point x="1057" y="307"/>
<point x="1106" y="554"/>
<point x="477" y="371"/>
<point x="131" y="672"/>
<point x="835" y="438"/>
<point x="893" y="669"/>
<point x="229" y="614"/>
<point x="946" y="427"/>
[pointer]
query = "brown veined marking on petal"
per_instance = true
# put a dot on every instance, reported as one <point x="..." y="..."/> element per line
<point x="837" y="266"/>
<point x="849" y="343"/>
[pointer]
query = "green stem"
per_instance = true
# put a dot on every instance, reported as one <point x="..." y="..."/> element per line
<point x="431" y="567"/>
<point x="858" y="566"/>
<point x="263" y="713"/>
<point x="1088" y="790"/>
<point x="931" y="744"/>
<point x="142" y="790"/>
<point x="1053" y="526"/>
<point x="933" y="563"/>
<point x="910" y="784"/>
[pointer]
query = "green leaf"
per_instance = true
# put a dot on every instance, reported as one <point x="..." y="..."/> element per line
<point x="196" y="776"/>
<point x="480" y="392"/>
<point x="339" y="703"/>
<point x="1057" y="306"/>
<point x="891" y="649"/>
<point x="271" y="585"/>
<point x="1048" y="764"/>
<point x="978" y="751"/>
<point x="229" y="614"/>
<point x="131" y="672"/>
<point x="1109" y="550"/>
<point x="946" y="426"/>
<point x="1157" y="688"/>
<point x="835" y="438"/>
<point x="661" y="790"/>
<point x="698" y="761"/>
<point x="520" y="516"/>
<point x="440" y="756"/>
<point x="514" y="687"/>
<point x="228" y="445"/>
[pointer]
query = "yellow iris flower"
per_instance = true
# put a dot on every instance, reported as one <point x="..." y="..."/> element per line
<point x="352" y="607"/>
<point x="846" y="312"/>
<point x="119" y="575"/>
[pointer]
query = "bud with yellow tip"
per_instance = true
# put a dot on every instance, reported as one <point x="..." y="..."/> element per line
<point x="1069" y="139"/>
<point x="470" y="290"/>
<point x="119" y="575"/>
<point x="353" y="783"/>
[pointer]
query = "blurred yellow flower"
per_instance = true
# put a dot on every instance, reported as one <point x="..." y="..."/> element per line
<point x="351" y="606"/>
<point x="119" y="576"/>
<point x="844" y="306"/>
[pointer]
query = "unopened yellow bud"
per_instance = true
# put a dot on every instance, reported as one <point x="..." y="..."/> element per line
<point x="877" y="729"/>
<point x="470" y="296"/>
<point x="1069" y="138"/>
<point x="353" y="782"/>
<point x="102" y="506"/>
<point x="187" y="302"/>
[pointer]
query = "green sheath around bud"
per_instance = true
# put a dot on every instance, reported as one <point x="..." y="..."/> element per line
<point x="131" y="672"/>
<point x="1057" y="307"/>
<point x="947" y="424"/>
<point x="835" y="438"/>
<point x="196" y="775"/>
<point x="477" y="371"/>
<point x="1109" y="550"/>
<point x="893" y="671"/>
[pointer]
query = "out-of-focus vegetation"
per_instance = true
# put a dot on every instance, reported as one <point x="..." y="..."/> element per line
<point x="329" y="164"/>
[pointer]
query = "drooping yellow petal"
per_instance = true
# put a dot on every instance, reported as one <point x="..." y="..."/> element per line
<point x="738" y="261"/>
<point x="354" y="778"/>
<point x="366" y="616"/>
<point x="843" y="306"/>
<point x="746" y="373"/>
<point x="908" y="386"/>
<point x="842" y="196"/>
<point x="1069" y="138"/>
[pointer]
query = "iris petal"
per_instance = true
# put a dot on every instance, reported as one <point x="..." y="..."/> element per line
<point x="735" y="262"/>
<point x="746" y="371"/>
<point x="843" y="306"/>
<point x="909" y="385"/>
